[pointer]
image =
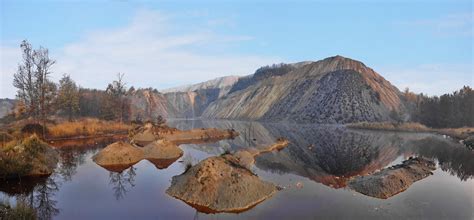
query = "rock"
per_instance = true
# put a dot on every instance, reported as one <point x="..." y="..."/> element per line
<point x="118" y="156"/>
<point x="393" y="180"/>
<point x="218" y="185"/>
<point x="224" y="183"/>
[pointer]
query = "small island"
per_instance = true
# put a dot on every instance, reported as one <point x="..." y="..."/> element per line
<point x="224" y="183"/>
<point x="156" y="143"/>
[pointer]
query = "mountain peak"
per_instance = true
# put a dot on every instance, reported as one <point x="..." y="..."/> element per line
<point x="344" y="60"/>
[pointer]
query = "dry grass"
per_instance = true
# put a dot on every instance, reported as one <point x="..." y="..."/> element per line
<point x="86" y="127"/>
<point x="389" y="126"/>
<point x="19" y="157"/>
<point x="458" y="133"/>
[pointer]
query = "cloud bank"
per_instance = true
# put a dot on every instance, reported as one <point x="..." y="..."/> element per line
<point x="148" y="51"/>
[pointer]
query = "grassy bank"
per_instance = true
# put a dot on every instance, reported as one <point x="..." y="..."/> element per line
<point x="30" y="156"/>
<point x="389" y="126"/>
<point x="457" y="133"/>
<point x="86" y="127"/>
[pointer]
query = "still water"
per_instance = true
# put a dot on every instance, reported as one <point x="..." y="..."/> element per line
<point x="313" y="172"/>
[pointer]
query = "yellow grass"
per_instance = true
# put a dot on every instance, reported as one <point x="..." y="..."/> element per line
<point x="389" y="126"/>
<point x="459" y="133"/>
<point x="86" y="127"/>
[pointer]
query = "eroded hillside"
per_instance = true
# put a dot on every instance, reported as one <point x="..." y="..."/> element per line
<point x="333" y="90"/>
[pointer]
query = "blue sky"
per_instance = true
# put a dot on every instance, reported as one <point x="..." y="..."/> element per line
<point x="424" y="45"/>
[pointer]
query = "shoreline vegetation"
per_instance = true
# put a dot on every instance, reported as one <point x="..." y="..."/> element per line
<point x="28" y="157"/>
<point x="464" y="134"/>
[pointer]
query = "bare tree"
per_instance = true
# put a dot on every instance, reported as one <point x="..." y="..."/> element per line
<point x="44" y="87"/>
<point x="35" y="90"/>
<point x="24" y="80"/>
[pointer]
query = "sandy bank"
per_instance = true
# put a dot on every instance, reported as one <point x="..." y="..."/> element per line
<point x="393" y="180"/>
<point x="224" y="183"/>
<point x="157" y="144"/>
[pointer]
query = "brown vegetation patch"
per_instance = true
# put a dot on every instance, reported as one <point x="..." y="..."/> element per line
<point x="390" y="126"/>
<point x="86" y="127"/>
<point x="30" y="157"/>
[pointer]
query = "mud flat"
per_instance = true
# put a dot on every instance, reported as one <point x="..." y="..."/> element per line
<point x="157" y="144"/>
<point x="148" y="133"/>
<point x="393" y="180"/>
<point x="224" y="183"/>
<point x="199" y="135"/>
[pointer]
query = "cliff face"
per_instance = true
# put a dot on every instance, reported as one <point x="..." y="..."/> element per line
<point x="148" y="104"/>
<point x="223" y="84"/>
<point x="333" y="90"/>
<point x="6" y="106"/>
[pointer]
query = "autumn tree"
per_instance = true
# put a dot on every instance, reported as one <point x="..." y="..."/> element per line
<point x="35" y="90"/>
<point x="68" y="96"/>
<point x="116" y="105"/>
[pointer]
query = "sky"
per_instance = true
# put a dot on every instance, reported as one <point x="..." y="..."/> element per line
<point x="426" y="46"/>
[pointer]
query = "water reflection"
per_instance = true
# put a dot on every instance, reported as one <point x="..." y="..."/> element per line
<point x="37" y="193"/>
<point x="330" y="155"/>
<point x="333" y="154"/>
<point x="455" y="159"/>
<point x="122" y="182"/>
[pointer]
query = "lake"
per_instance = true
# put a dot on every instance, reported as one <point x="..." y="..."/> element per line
<point x="312" y="171"/>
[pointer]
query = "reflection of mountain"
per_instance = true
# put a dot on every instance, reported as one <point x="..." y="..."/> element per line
<point x="330" y="154"/>
<point x="333" y="154"/>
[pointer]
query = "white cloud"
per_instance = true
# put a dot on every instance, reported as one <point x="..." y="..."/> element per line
<point x="147" y="51"/>
<point x="431" y="79"/>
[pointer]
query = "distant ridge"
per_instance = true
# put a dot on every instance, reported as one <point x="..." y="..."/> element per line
<point x="219" y="83"/>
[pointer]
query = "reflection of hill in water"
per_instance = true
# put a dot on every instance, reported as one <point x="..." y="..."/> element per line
<point x="332" y="154"/>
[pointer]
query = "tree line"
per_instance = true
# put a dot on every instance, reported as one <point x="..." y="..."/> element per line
<point x="446" y="111"/>
<point x="39" y="97"/>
